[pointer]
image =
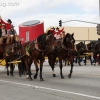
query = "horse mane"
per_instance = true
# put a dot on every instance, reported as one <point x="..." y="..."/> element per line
<point x="64" y="39"/>
<point x="41" y="39"/>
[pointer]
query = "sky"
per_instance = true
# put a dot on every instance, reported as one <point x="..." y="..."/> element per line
<point x="50" y="11"/>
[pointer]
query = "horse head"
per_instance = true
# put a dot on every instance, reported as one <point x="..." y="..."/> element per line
<point x="69" y="41"/>
<point x="81" y="47"/>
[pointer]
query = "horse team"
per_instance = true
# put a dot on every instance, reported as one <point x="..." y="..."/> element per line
<point x="45" y="45"/>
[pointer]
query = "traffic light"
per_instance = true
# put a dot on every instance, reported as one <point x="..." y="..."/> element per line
<point x="60" y="23"/>
<point x="98" y="29"/>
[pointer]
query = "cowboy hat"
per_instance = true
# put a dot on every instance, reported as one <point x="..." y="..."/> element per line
<point x="9" y="21"/>
<point x="57" y="28"/>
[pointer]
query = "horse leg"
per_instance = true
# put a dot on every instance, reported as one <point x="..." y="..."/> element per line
<point x="28" y="68"/>
<point x="7" y="65"/>
<point x="65" y="61"/>
<point x="37" y="69"/>
<point x="11" y="70"/>
<point x="71" y="68"/>
<point x="85" y="61"/>
<point x="52" y="66"/>
<point x="95" y="58"/>
<point x="60" y="62"/>
<point x="52" y="63"/>
<point x="79" y="61"/>
<point x="41" y="66"/>
<point x="20" y="69"/>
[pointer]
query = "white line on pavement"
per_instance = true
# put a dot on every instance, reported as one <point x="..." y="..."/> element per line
<point x="79" y="94"/>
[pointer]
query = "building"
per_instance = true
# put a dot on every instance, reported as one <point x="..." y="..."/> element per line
<point x="30" y="30"/>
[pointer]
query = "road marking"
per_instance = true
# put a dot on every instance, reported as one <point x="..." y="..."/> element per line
<point x="62" y="91"/>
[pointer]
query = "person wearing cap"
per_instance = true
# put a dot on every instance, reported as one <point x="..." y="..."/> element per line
<point x="58" y="32"/>
<point x="3" y="34"/>
<point x="63" y="34"/>
<point x="52" y="30"/>
<point x="8" y="24"/>
<point x="12" y="32"/>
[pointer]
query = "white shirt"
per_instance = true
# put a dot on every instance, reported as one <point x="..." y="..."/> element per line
<point x="3" y="32"/>
<point x="57" y="36"/>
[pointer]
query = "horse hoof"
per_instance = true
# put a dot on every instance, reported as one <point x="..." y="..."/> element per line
<point x="41" y="79"/>
<point x="62" y="77"/>
<point x="35" y="76"/>
<point x="54" y="75"/>
<point x="7" y="74"/>
<point x="12" y="75"/>
<point x="69" y="76"/>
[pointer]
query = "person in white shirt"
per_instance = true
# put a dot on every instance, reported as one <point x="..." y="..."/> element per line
<point x="12" y="32"/>
<point x="58" y="32"/>
<point x="4" y="34"/>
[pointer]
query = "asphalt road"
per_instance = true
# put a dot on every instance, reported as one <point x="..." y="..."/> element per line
<point x="84" y="84"/>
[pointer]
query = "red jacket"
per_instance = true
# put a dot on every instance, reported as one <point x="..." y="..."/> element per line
<point x="8" y="26"/>
<point x="54" y="32"/>
<point x="60" y="31"/>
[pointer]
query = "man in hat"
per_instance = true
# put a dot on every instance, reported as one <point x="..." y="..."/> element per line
<point x="12" y="32"/>
<point x="52" y="30"/>
<point x="58" y="32"/>
<point x="63" y="34"/>
<point x="3" y="34"/>
<point x="8" y="24"/>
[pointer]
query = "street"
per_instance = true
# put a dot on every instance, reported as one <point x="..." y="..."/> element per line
<point x="84" y="84"/>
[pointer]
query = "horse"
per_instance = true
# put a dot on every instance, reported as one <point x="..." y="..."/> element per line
<point x="96" y="52"/>
<point x="80" y="49"/>
<point x="66" y="52"/>
<point x="63" y="51"/>
<point x="90" y="46"/>
<point x="34" y="52"/>
<point x="12" y="52"/>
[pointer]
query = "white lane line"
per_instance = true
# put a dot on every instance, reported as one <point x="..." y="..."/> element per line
<point x="62" y="91"/>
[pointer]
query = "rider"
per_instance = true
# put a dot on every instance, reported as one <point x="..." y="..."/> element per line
<point x="12" y="32"/>
<point x="63" y="34"/>
<point x="58" y="32"/>
<point x="3" y="34"/>
<point x="52" y="30"/>
<point x="8" y="24"/>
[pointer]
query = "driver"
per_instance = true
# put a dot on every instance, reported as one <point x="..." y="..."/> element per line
<point x="4" y="34"/>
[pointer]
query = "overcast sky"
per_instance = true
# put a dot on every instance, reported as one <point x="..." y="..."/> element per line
<point x="50" y="11"/>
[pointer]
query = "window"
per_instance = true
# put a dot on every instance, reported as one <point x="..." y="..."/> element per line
<point x="27" y="36"/>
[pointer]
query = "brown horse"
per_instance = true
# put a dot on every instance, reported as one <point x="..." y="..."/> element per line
<point x="63" y="52"/>
<point x="12" y="52"/>
<point x="37" y="52"/>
